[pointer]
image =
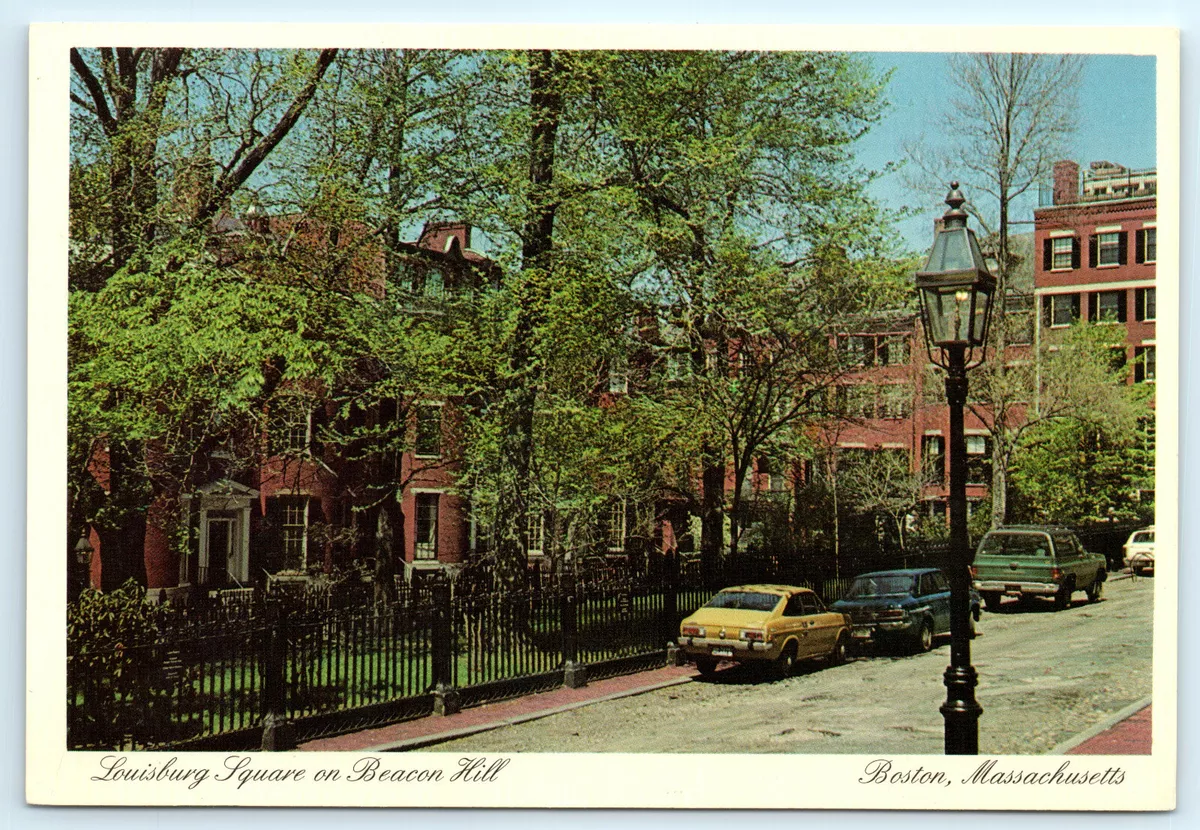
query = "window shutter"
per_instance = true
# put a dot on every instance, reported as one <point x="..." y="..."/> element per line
<point x="1075" y="307"/>
<point x="1093" y="307"/>
<point x="1139" y="253"/>
<point x="1122" y="247"/>
<point x="1139" y="300"/>
<point x="1048" y="254"/>
<point x="1046" y="318"/>
<point x="1123" y="303"/>
<point x="1075" y="255"/>
<point x="1092" y="249"/>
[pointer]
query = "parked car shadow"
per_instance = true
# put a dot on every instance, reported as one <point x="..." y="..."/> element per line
<point x="753" y="674"/>
<point x="1037" y="605"/>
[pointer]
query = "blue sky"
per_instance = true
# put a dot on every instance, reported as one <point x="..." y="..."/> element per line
<point x="1116" y="122"/>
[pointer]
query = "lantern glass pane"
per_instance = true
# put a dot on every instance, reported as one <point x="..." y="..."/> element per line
<point x="983" y="311"/>
<point x="951" y="252"/>
<point x="949" y="314"/>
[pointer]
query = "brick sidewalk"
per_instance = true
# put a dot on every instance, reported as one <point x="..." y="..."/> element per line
<point x="1129" y="733"/>
<point x="435" y="728"/>
<point x="1131" y="736"/>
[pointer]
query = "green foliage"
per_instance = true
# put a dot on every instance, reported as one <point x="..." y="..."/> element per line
<point x="112" y="659"/>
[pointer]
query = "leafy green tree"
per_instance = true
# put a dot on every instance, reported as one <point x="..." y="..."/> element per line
<point x="1009" y="125"/>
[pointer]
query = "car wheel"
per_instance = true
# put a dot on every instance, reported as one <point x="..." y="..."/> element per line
<point x="1062" y="599"/>
<point x="785" y="662"/>
<point x="924" y="639"/>
<point x="841" y="650"/>
<point x="991" y="600"/>
<point x="1096" y="591"/>
<point x="706" y="665"/>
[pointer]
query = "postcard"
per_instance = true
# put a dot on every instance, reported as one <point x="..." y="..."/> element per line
<point x="605" y="416"/>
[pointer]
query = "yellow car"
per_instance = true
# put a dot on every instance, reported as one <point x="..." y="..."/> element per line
<point x="774" y="625"/>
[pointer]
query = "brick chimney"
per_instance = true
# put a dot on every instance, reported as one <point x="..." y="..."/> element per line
<point x="437" y="235"/>
<point x="1066" y="182"/>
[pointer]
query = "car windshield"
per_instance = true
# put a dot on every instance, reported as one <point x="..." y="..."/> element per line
<point x="744" y="601"/>
<point x="880" y="586"/>
<point x="1015" y="544"/>
<point x="1146" y="537"/>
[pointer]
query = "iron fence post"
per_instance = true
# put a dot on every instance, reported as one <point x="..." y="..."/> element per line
<point x="574" y="672"/>
<point x="671" y="609"/>
<point x="278" y="732"/>
<point x="445" y="696"/>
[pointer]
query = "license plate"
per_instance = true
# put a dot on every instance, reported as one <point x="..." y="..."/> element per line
<point x="722" y="652"/>
<point x="861" y="631"/>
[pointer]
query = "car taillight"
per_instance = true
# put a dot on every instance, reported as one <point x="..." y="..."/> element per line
<point x="974" y="571"/>
<point x="1056" y="574"/>
<point x="692" y="631"/>
<point x="752" y="634"/>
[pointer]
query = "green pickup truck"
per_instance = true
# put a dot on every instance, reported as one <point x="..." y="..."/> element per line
<point x="1033" y="560"/>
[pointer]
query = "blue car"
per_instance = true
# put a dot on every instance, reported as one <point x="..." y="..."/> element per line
<point x="907" y="608"/>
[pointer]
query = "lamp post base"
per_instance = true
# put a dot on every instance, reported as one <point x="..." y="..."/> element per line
<point x="961" y="711"/>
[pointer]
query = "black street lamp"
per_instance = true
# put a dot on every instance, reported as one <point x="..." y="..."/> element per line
<point x="956" y="292"/>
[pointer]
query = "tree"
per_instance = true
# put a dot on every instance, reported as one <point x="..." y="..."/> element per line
<point x="146" y="122"/>
<point x="1087" y="445"/>
<point x="884" y="483"/>
<point x="1010" y="123"/>
<point x="738" y="165"/>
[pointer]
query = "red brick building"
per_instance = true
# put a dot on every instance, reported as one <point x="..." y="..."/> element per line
<point x="288" y="515"/>
<point x="1098" y="249"/>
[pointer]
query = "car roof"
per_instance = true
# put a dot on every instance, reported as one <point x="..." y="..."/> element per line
<point x="900" y="572"/>
<point x="1037" y="528"/>
<point x="782" y="590"/>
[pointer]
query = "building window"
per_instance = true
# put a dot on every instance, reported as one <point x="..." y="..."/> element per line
<point x="857" y="401"/>
<point x="618" y="375"/>
<point x="1107" y="307"/>
<point x="294" y="536"/>
<point x="290" y="428"/>
<point x="1145" y="367"/>
<point x="1062" y="250"/>
<point x="893" y="350"/>
<point x="979" y="460"/>
<point x="1147" y="304"/>
<point x="537" y="533"/>
<point x="435" y="285"/>
<point x="933" y="459"/>
<point x="1060" y="309"/>
<point x="425" y="546"/>
<point x="895" y="401"/>
<point x="614" y="527"/>
<point x="429" y="430"/>
<point x="1109" y="248"/>
<point x="1147" y="245"/>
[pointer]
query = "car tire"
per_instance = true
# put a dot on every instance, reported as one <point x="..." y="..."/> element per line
<point x="971" y="632"/>
<point x="785" y="662"/>
<point x="1062" y="599"/>
<point x="923" y="641"/>
<point x="841" y="650"/>
<point x="1096" y="590"/>
<point x="992" y="600"/>
<point x="706" y="666"/>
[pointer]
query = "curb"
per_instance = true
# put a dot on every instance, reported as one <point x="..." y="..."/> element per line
<point x="453" y="734"/>
<point x="1104" y="725"/>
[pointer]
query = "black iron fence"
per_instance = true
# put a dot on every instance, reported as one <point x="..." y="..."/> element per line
<point x="211" y="676"/>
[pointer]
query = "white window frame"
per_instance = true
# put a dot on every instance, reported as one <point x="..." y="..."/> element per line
<point x="615" y="526"/>
<point x="1148" y="232"/>
<point x="422" y="550"/>
<point x="427" y="405"/>
<point x="1061" y="246"/>
<point x="295" y="549"/>
<point x="1108" y="241"/>
<point x="1063" y="300"/>
<point x="1116" y="318"/>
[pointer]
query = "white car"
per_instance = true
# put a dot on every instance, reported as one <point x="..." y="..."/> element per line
<point x="1139" y="551"/>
